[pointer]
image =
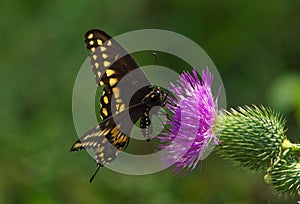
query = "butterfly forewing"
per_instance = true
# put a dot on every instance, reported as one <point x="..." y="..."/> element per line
<point x="111" y="62"/>
<point x="125" y="87"/>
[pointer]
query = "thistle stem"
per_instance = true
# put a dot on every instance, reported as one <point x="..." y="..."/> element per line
<point x="291" y="146"/>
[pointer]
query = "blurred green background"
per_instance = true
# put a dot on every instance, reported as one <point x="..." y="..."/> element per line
<point x="254" y="44"/>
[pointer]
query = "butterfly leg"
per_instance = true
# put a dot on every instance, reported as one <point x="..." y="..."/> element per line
<point x="146" y="126"/>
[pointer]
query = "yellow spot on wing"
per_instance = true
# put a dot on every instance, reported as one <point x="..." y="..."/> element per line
<point x="91" y="42"/>
<point x="101" y="149"/>
<point x="116" y="92"/>
<point x="115" y="133"/>
<point x="116" y="129"/>
<point x="93" y="49"/>
<point x="102" y="48"/>
<point x="109" y="72"/>
<point x="88" y="136"/>
<point x="122" y="107"/>
<point x="106" y="63"/>
<point x="105" y="99"/>
<point x="97" y="65"/>
<point x="113" y="81"/>
<point x="104" y="111"/>
<point x="109" y="43"/>
<point x="90" y="36"/>
<point x="120" y="134"/>
<point x="104" y="56"/>
<point x="119" y="100"/>
<point x="77" y="145"/>
<point x="106" y="131"/>
<point x="99" y="42"/>
<point x="94" y="57"/>
<point x="99" y="75"/>
<point x="124" y="138"/>
<point x="101" y="83"/>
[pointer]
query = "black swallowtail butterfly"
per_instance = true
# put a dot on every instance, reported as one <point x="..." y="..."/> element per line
<point x="120" y="75"/>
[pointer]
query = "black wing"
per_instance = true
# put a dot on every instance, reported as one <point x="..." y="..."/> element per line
<point x="110" y="136"/>
<point x="107" y="139"/>
<point x="122" y="78"/>
<point x="112" y="64"/>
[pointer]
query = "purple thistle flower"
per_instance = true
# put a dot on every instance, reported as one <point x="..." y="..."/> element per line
<point x="191" y="136"/>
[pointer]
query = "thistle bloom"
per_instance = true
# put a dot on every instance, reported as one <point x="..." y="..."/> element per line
<point x="192" y="120"/>
<point x="251" y="137"/>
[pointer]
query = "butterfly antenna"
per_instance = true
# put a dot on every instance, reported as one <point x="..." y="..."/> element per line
<point x="98" y="167"/>
<point x="155" y="57"/>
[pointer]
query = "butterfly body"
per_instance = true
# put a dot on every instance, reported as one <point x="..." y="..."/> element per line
<point x="127" y="97"/>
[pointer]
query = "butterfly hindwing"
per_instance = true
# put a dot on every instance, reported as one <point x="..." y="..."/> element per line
<point x="96" y="140"/>
<point x="107" y="139"/>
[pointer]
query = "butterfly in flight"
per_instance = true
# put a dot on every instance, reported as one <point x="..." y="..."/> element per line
<point x="127" y="97"/>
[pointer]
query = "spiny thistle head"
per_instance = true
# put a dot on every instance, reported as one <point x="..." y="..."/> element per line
<point x="251" y="137"/>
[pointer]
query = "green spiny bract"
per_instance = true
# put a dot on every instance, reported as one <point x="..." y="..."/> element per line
<point x="284" y="175"/>
<point x="251" y="137"/>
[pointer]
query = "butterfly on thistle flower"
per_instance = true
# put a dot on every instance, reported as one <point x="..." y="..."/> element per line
<point x="127" y="97"/>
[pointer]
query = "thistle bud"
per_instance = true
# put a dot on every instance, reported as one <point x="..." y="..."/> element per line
<point x="251" y="137"/>
<point x="284" y="175"/>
